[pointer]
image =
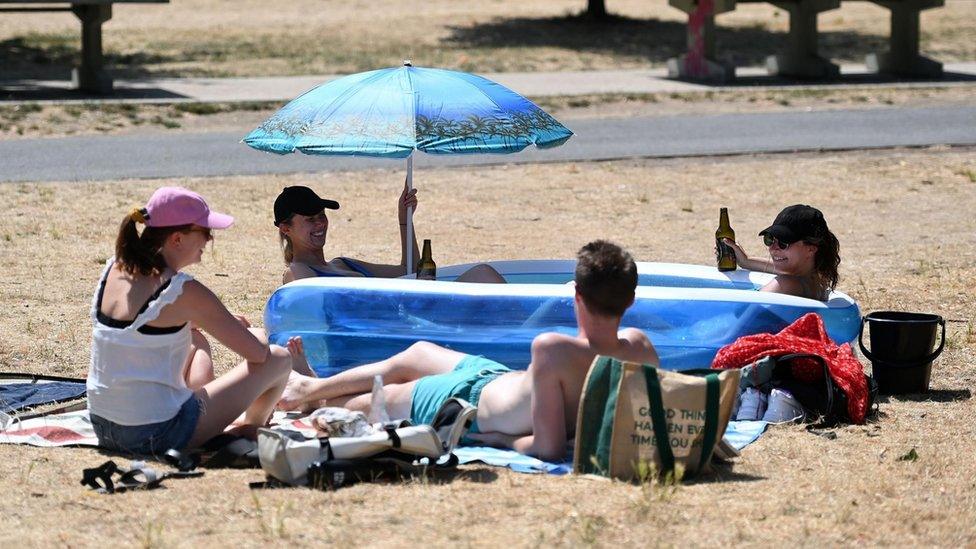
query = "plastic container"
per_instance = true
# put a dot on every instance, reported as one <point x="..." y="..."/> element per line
<point x="901" y="352"/>
<point x="377" y="405"/>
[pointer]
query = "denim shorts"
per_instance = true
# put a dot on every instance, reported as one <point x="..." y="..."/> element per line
<point x="152" y="439"/>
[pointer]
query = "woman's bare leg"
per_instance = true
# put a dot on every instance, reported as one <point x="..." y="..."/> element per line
<point x="419" y="360"/>
<point x="482" y="272"/>
<point x="396" y="396"/>
<point x="253" y="389"/>
<point x="199" y="365"/>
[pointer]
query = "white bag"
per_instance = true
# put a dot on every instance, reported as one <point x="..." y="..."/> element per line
<point x="286" y="454"/>
<point x="415" y="440"/>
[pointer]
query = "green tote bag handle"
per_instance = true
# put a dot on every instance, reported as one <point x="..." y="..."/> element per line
<point x="659" y="421"/>
<point x="595" y="405"/>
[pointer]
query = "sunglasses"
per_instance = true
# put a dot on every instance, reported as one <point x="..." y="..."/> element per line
<point x="207" y="232"/>
<point x="771" y="240"/>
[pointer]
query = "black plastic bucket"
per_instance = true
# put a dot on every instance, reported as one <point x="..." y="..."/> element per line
<point x="901" y="356"/>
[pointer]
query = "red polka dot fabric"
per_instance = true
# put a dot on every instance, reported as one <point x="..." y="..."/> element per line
<point x="806" y="335"/>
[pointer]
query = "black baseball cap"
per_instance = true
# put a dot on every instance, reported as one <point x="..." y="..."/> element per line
<point x="299" y="200"/>
<point x="795" y="223"/>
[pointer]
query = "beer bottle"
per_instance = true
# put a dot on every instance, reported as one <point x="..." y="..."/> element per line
<point x="723" y="252"/>
<point x="426" y="268"/>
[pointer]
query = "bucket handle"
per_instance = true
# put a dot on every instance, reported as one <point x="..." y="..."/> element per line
<point x="925" y="360"/>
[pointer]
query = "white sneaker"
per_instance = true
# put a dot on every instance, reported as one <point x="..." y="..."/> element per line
<point x="752" y="405"/>
<point x="782" y="407"/>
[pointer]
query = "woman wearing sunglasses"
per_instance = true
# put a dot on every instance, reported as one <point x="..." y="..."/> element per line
<point x="803" y="253"/>
<point x="151" y="384"/>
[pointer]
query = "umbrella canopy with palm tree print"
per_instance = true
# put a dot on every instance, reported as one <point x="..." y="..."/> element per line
<point x="390" y="113"/>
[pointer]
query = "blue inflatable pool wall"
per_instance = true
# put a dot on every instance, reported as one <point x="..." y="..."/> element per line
<point x="688" y="311"/>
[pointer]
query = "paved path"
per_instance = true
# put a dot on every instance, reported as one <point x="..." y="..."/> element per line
<point x="211" y="154"/>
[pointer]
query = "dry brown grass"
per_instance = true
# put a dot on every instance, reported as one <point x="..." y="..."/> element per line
<point x="905" y="221"/>
<point x="255" y="37"/>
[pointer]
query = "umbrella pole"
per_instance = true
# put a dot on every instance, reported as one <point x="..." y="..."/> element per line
<point x="409" y="243"/>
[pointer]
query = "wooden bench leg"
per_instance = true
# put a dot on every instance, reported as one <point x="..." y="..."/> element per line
<point x="699" y="63"/>
<point x="91" y="76"/>
<point x="800" y="58"/>
<point x="903" y="57"/>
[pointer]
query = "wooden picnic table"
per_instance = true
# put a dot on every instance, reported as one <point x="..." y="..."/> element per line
<point x="90" y="75"/>
<point x="800" y="57"/>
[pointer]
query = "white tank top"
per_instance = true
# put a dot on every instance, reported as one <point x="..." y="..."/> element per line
<point x="135" y="378"/>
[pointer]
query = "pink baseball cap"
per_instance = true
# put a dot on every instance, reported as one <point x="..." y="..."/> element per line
<point x="170" y="206"/>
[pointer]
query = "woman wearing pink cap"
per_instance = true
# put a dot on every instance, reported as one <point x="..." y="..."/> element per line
<point x="151" y="385"/>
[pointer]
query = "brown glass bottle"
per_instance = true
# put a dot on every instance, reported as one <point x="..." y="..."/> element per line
<point x="426" y="268"/>
<point x="723" y="252"/>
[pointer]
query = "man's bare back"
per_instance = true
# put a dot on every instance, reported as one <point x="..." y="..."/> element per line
<point x="534" y="411"/>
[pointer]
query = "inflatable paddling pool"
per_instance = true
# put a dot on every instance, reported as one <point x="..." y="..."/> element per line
<point x="688" y="311"/>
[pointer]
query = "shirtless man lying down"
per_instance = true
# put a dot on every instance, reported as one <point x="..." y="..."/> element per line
<point x="532" y="411"/>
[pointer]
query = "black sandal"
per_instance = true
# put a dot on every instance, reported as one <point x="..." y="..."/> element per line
<point x="137" y="477"/>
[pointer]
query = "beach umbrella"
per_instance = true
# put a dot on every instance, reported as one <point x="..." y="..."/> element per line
<point x="390" y="113"/>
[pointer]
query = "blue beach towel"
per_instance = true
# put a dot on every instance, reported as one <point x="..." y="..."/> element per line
<point x="520" y="463"/>
<point x="739" y="434"/>
<point x="16" y="396"/>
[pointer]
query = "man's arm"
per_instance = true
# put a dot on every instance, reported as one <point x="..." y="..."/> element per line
<point x="549" y="446"/>
<point x="520" y="443"/>
<point x="550" y="356"/>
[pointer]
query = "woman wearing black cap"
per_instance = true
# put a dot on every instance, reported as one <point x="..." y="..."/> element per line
<point x="302" y="228"/>
<point x="302" y="224"/>
<point x="803" y="253"/>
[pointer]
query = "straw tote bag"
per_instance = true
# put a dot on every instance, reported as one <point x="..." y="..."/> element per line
<point x="634" y="419"/>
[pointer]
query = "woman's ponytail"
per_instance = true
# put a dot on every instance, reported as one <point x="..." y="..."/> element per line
<point x="139" y="253"/>
<point x="287" y="250"/>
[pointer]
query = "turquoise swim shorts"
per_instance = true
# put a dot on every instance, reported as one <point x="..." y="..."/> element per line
<point x="466" y="381"/>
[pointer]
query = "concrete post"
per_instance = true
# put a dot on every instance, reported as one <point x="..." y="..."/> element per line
<point x="90" y="76"/>
<point x="699" y="63"/>
<point x="800" y="58"/>
<point x="903" y="57"/>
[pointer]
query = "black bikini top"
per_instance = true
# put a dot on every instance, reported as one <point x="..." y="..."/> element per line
<point x="122" y="324"/>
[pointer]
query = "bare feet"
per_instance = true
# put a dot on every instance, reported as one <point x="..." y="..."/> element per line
<point x="299" y="362"/>
<point x="295" y="395"/>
